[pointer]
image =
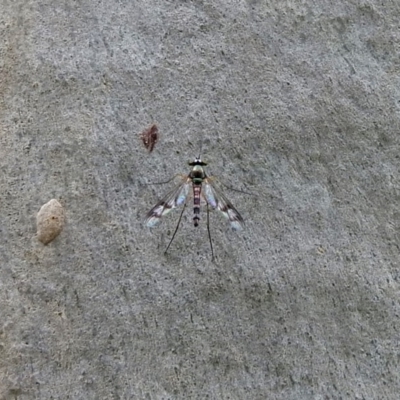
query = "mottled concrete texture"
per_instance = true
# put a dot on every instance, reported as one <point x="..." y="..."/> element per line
<point x="295" y="101"/>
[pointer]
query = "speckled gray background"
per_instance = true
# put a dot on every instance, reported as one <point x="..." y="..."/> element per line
<point x="297" y="102"/>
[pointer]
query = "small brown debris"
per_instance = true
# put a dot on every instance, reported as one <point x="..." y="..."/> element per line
<point x="50" y="221"/>
<point x="150" y="137"/>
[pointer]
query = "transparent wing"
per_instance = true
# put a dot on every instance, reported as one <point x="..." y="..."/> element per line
<point x="217" y="200"/>
<point x="173" y="199"/>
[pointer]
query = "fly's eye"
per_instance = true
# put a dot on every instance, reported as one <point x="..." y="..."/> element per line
<point x="197" y="161"/>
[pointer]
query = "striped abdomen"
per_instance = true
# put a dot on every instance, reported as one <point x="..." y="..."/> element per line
<point x="196" y="201"/>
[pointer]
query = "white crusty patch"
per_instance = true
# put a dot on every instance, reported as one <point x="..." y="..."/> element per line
<point x="50" y="221"/>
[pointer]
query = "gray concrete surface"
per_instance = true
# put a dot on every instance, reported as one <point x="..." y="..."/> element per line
<point x="295" y="101"/>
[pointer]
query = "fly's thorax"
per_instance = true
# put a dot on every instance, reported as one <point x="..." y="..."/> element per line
<point x="197" y="174"/>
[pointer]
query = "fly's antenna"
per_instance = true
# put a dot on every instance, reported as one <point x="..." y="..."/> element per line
<point x="201" y="148"/>
<point x="197" y="160"/>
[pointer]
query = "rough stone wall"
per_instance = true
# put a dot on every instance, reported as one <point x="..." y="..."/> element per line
<point x="296" y="102"/>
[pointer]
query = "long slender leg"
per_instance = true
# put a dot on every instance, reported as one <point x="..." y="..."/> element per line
<point x="213" y="178"/>
<point x="209" y="233"/>
<point x="176" y="229"/>
<point x="169" y="180"/>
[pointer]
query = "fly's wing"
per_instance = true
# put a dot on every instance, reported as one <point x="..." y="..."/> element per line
<point x="217" y="200"/>
<point x="173" y="199"/>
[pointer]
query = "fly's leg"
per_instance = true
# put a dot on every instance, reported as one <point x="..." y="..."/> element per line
<point x="209" y="232"/>
<point x="168" y="181"/>
<point x="218" y="180"/>
<point x="176" y="229"/>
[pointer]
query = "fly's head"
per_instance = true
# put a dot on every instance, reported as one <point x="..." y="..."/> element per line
<point x="197" y="161"/>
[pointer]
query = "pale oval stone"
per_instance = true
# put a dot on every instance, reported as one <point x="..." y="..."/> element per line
<point x="50" y="221"/>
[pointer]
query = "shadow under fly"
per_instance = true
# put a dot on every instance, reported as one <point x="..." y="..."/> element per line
<point x="204" y="188"/>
